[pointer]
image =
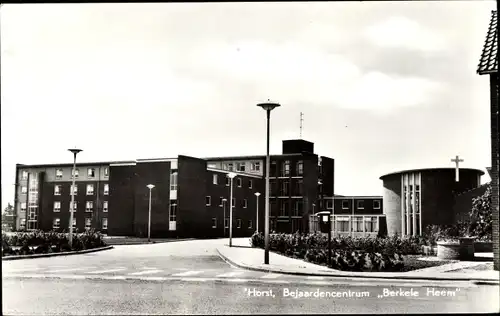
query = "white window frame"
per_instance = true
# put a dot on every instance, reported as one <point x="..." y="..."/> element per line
<point x="75" y="204"/>
<point x="90" y="192"/>
<point x="226" y="222"/>
<point x="362" y="207"/>
<point x="208" y="200"/>
<point x="215" y="178"/>
<point x="221" y="204"/>
<point x="239" y="182"/>
<point x="255" y="166"/>
<point x="75" y="173"/>
<point x="24" y="175"/>
<point x="240" y="166"/>
<point x="228" y="181"/>
<point x="59" y="173"/>
<point x="106" y="189"/>
<point x="250" y="224"/>
<point x="173" y="180"/>
<point x="238" y="223"/>
<point x="250" y="184"/>
<point x="56" y="221"/>
<point x="346" y="205"/>
<point x="89" y="221"/>
<point x="106" y="172"/>
<point x="57" y="209"/>
<point x="104" y="221"/>
<point x="91" y="173"/>
<point x="89" y="206"/>
<point x="214" y="222"/>
<point x="24" y="206"/>
<point x="376" y="207"/>
<point x="57" y="189"/>
<point x="245" y="203"/>
<point x="24" y="189"/>
<point x="74" y="189"/>
<point x="234" y="202"/>
<point x="74" y="223"/>
<point x="105" y="206"/>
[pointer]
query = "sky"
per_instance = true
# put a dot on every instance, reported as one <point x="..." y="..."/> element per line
<point x="383" y="86"/>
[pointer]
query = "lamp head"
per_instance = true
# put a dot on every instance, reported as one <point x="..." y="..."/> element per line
<point x="268" y="106"/>
<point x="257" y="193"/>
<point x="231" y="175"/>
<point x="150" y="186"/>
<point x="75" y="150"/>
<point x="224" y="200"/>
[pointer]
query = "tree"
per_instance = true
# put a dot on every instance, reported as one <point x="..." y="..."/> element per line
<point x="8" y="218"/>
<point x="481" y="216"/>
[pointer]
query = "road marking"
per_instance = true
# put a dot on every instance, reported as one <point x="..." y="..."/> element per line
<point x="270" y="276"/>
<point x="145" y="272"/>
<point x="106" y="271"/>
<point x="229" y="274"/>
<point x="187" y="273"/>
<point x="68" y="270"/>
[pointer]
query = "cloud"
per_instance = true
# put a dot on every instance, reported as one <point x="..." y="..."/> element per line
<point x="397" y="32"/>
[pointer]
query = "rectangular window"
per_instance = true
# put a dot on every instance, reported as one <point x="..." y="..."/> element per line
<point x="357" y="224"/>
<point x="215" y="179"/>
<point x="59" y="174"/>
<point x="56" y="223"/>
<point x="75" y="173"/>
<point x="24" y="175"/>
<point x="300" y="167"/>
<point x="221" y="201"/>
<point x="57" y="206"/>
<point x="229" y="166"/>
<point x="255" y="166"/>
<point x="74" y="223"/>
<point x="273" y="169"/>
<point x="105" y="223"/>
<point x="74" y="206"/>
<point x="298" y="187"/>
<point x="329" y="204"/>
<point x="370" y="224"/>
<point x="91" y="172"/>
<point x="228" y="181"/>
<point x="90" y="189"/>
<point x="342" y="223"/>
<point x="214" y="222"/>
<point x="226" y="222"/>
<point x="297" y="208"/>
<point x="284" y="188"/>
<point x="245" y="203"/>
<point x="283" y="208"/>
<point x="88" y="223"/>
<point x="208" y="200"/>
<point x="345" y="204"/>
<point x="173" y="181"/>
<point x="105" y="206"/>
<point x="106" y="189"/>
<point x="250" y="224"/>
<point x="250" y="184"/>
<point x="234" y="202"/>
<point x="238" y="223"/>
<point x="285" y="171"/>
<point x="361" y="204"/>
<point x="89" y="206"/>
<point x="24" y="189"/>
<point x="74" y="189"/>
<point x="376" y="204"/>
<point x="106" y="172"/>
<point x="23" y="207"/>
<point x="57" y="189"/>
<point x="240" y="166"/>
<point x="239" y="182"/>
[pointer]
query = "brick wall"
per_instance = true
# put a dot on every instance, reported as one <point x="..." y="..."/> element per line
<point x="494" y="167"/>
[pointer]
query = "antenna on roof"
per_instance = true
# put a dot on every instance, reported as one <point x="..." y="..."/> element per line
<point x="301" y="119"/>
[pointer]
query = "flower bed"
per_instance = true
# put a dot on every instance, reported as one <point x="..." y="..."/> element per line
<point x="39" y="242"/>
<point x="348" y="254"/>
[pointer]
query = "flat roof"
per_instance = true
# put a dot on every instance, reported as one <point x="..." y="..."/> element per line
<point x="481" y="172"/>
<point x="254" y="157"/>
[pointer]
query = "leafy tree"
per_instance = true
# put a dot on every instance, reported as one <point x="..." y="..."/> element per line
<point x="8" y="218"/>
<point x="481" y="216"/>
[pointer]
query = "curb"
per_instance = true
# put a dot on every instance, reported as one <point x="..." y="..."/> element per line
<point x="139" y="242"/>
<point x="356" y="274"/>
<point x="44" y="255"/>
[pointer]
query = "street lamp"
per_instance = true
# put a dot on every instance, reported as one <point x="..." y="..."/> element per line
<point x="257" y="194"/>
<point x="231" y="175"/>
<point x="150" y="187"/>
<point x="268" y="107"/>
<point x="224" y="206"/>
<point x="72" y="208"/>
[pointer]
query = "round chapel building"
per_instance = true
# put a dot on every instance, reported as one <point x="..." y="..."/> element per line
<point x="414" y="199"/>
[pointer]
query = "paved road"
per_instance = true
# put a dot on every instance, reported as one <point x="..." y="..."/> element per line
<point x="189" y="277"/>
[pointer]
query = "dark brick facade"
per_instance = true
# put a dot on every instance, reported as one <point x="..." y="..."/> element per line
<point x="495" y="166"/>
<point x="121" y="200"/>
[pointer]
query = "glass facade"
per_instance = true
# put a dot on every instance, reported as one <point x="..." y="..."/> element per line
<point x="411" y="224"/>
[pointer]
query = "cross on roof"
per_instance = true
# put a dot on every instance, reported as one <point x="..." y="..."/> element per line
<point x="457" y="160"/>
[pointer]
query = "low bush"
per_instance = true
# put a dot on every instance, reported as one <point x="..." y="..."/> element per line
<point x="44" y="242"/>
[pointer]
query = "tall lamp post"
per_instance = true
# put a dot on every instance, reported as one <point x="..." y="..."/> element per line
<point x="268" y="107"/>
<point x="231" y="176"/>
<point x="150" y="187"/>
<point x="224" y="206"/>
<point x="257" y="194"/>
<point x="75" y="152"/>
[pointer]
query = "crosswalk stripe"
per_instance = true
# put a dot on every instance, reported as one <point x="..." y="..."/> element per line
<point x="187" y="273"/>
<point x="229" y="274"/>
<point x="145" y="272"/>
<point x="271" y="276"/>
<point x="105" y="271"/>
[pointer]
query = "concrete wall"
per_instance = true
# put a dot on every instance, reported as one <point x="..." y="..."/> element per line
<point x="392" y="203"/>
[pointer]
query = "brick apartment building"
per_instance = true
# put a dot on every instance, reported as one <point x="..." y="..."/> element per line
<point x="488" y="65"/>
<point x="190" y="198"/>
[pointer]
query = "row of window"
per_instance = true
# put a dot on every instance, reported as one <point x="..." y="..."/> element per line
<point x="241" y="166"/>
<point x="56" y="223"/>
<point x="360" y="204"/>
<point x="239" y="181"/>
<point x="222" y="200"/>
<point x="285" y="168"/>
<point x="239" y="223"/>
<point x="284" y="189"/>
<point x="90" y="189"/>
<point x="91" y="173"/>
<point x="357" y="224"/>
